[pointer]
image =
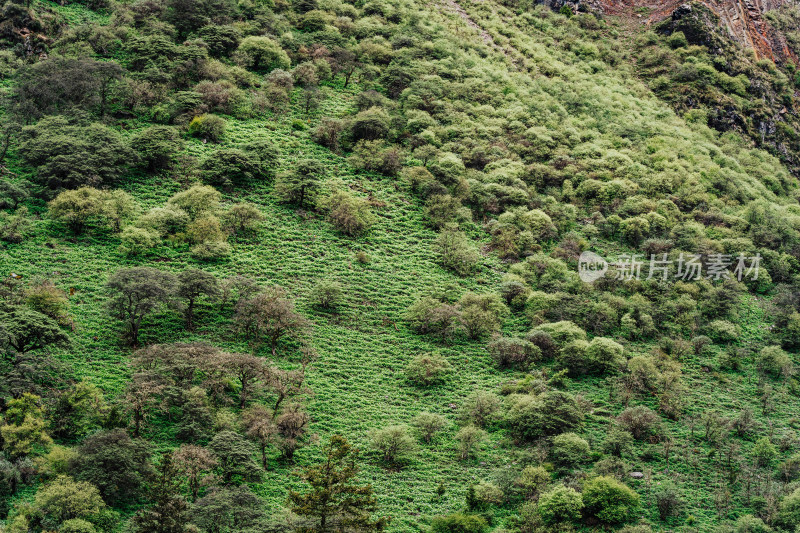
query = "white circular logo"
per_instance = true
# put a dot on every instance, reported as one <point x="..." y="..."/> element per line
<point x="591" y="267"/>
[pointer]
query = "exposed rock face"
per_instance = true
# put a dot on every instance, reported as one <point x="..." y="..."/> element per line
<point x="743" y="19"/>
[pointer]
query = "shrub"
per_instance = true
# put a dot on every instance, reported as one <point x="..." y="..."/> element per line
<point x="563" y="332"/>
<point x="470" y="440"/>
<point x="604" y="356"/>
<point x="196" y="201"/>
<point x="157" y="146"/>
<point x="510" y="351"/>
<point x="609" y="500"/>
<point x="229" y="167"/>
<point x="668" y="500"/>
<point x="137" y="241"/>
<point x="428" y="369"/>
<point x="480" y="408"/>
<point x="642" y="422"/>
<point x="763" y="452"/>
<point x="455" y="251"/>
<point x="569" y="450"/>
<point x="301" y="183"/>
<point x="789" y="510"/>
<point x="484" y="495"/>
<point x="15" y="227"/>
<point x="370" y="124"/>
<point x="459" y="523"/>
<point x="326" y="294"/>
<point x="393" y="443"/>
<point x="532" y="480"/>
<point x="429" y="424"/>
<point x="560" y="504"/>
<point x="774" y="361"/>
<point x="243" y="218"/>
<point x="723" y="331"/>
<point x="209" y="250"/>
<point x="751" y="524"/>
<point x="77" y="208"/>
<point x="261" y="54"/>
<point x="349" y="214"/>
<point x="429" y="315"/>
<point x="482" y="314"/>
<point x="550" y="413"/>
<point x="208" y="127"/>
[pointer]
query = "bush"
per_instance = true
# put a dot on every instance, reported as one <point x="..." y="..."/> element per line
<point x="261" y="54"/>
<point x="789" y="510"/>
<point x="563" y="332"/>
<point x="722" y="331"/>
<point x="550" y="413"/>
<point x="532" y="480"/>
<point x="774" y="361"/>
<point x="482" y="314"/>
<point x="510" y="351"/>
<point x="370" y="124"/>
<point x="229" y="167"/>
<point x="470" y="440"/>
<point x="569" y="450"/>
<point x="393" y="443"/>
<point x="455" y="251"/>
<point x="77" y="208"/>
<point x="604" y="356"/>
<point x="609" y="500"/>
<point x="429" y="424"/>
<point x="458" y="523"/>
<point x="326" y="294"/>
<point x="208" y="127"/>
<point x="763" y="452"/>
<point x="561" y="504"/>
<point x="480" y="408"/>
<point x="157" y="146"/>
<point x="642" y="422"/>
<point x="209" y="250"/>
<point x="349" y="214"/>
<point x="429" y="315"/>
<point x="428" y="369"/>
<point x="668" y="500"/>
<point x="137" y="241"/>
<point x="243" y="218"/>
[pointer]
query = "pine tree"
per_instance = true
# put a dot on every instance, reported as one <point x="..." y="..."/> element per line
<point x="334" y="503"/>
<point x="169" y="512"/>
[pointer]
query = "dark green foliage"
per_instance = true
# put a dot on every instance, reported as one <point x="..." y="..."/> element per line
<point x="234" y="456"/>
<point x="459" y="523"/>
<point x="157" y="146"/>
<point x="169" y="511"/>
<point x="228" y="509"/>
<point x="194" y="284"/>
<point x="68" y="154"/>
<point x="116" y="464"/>
<point x="300" y="184"/>
<point x="137" y="292"/>
<point x="25" y="330"/>
<point x="609" y="500"/>
<point x="334" y="502"/>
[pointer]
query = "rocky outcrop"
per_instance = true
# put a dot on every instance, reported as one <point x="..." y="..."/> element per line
<point x="743" y="20"/>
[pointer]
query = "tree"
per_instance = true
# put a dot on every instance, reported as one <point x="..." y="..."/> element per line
<point x="668" y="500"/>
<point x="292" y="429"/>
<point x="455" y="251"/>
<point x="249" y="370"/>
<point x="393" y="443"/>
<point x="269" y="316"/>
<point x="65" y="499"/>
<point x="137" y="292"/>
<point x="68" y="154"/>
<point x="549" y="413"/>
<point x="480" y="408"/>
<point x="157" y="146"/>
<point x="301" y="183"/>
<point x="570" y="450"/>
<point x="169" y="512"/>
<point x="470" y="439"/>
<point x="193" y="461"/>
<point x="326" y="294"/>
<point x="429" y="424"/>
<point x="262" y="54"/>
<point x="229" y="509"/>
<point x="334" y="502"/>
<point x="370" y="124"/>
<point x="26" y="330"/>
<point x="261" y="429"/>
<point x="76" y="208"/>
<point x="428" y="369"/>
<point x="229" y="167"/>
<point x="234" y="456"/>
<point x="23" y="426"/>
<point x="14" y="193"/>
<point x="350" y="215"/>
<point x="459" y="523"/>
<point x="116" y="464"/>
<point x="243" y="218"/>
<point x="609" y="500"/>
<point x="193" y="284"/>
<point x="561" y="504"/>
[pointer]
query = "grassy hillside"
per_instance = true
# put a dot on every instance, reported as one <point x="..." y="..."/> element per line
<point x="536" y="135"/>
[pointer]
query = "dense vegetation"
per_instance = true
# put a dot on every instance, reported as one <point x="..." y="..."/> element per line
<point x="313" y="266"/>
